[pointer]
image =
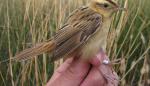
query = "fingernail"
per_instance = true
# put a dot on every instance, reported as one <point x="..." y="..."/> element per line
<point x="106" y="62"/>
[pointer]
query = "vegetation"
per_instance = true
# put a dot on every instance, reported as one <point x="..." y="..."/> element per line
<point x="26" y="22"/>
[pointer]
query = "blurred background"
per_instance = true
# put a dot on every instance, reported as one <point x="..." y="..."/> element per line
<point x="24" y="23"/>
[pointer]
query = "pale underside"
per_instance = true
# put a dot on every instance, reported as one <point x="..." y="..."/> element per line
<point x="97" y="41"/>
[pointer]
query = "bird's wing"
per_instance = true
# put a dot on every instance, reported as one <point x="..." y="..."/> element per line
<point x="79" y="27"/>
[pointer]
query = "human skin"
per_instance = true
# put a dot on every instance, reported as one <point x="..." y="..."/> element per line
<point x="78" y="72"/>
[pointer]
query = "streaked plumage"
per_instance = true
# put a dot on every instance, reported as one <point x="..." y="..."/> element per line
<point x="81" y="25"/>
<point x="84" y="33"/>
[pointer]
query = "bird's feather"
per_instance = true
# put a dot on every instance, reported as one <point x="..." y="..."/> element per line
<point x="80" y="25"/>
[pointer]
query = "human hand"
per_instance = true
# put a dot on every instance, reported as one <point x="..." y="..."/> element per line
<point x="78" y="72"/>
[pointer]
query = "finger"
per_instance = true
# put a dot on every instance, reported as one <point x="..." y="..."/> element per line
<point x="115" y="82"/>
<point x="94" y="78"/>
<point x="109" y="74"/>
<point x="76" y="73"/>
<point x="98" y="59"/>
<point x="105" y="69"/>
<point x="73" y="75"/>
<point x="60" y="70"/>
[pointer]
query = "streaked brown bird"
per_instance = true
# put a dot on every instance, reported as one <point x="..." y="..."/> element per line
<point x="83" y="35"/>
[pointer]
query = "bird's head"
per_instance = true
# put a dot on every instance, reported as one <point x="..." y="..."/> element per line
<point x="105" y="7"/>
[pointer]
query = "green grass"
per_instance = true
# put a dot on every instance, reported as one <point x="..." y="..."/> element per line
<point x="26" y="22"/>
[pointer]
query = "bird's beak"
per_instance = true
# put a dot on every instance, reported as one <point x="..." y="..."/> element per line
<point x="119" y="8"/>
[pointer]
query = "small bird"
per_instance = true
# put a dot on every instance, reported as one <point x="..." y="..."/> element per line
<point x="83" y="35"/>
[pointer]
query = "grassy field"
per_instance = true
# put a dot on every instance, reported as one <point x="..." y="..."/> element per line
<point x="26" y="22"/>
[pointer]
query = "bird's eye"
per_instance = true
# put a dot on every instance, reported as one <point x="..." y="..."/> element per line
<point x="105" y="5"/>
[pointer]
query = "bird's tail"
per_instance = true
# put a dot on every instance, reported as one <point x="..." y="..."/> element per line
<point x="36" y="50"/>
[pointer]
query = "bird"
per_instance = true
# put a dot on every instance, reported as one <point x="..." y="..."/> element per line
<point x="83" y="35"/>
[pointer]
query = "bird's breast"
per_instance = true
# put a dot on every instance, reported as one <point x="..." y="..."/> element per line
<point x="96" y="41"/>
